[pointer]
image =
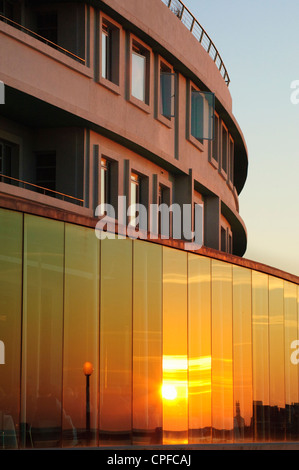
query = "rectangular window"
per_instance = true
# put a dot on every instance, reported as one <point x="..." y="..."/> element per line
<point x="6" y="161"/>
<point x="167" y="91"/>
<point x="47" y="26"/>
<point x="140" y="72"/>
<point x="231" y="161"/>
<point x="46" y="170"/>
<point x="230" y="243"/>
<point x="106" y="52"/>
<point x="110" y="52"/>
<point x="138" y="213"/>
<point x="202" y="115"/>
<point x="135" y="194"/>
<point x="215" y="147"/>
<point x="163" y="215"/>
<point x="105" y="182"/>
<point x="7" y="9"/>
<point x="224" y="149"/>
<point x="223" y="239"/>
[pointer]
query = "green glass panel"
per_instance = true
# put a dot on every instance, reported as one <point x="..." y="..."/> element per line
<point x="147" y="343"/>
<point x="11" y="236"/>
<point x="199" y="348"/>
<point x="42" y="331"/>
<point x="81" y="328"/>
<point x="116" y="342"/>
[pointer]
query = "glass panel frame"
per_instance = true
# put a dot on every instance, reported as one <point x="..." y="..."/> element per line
<point x="222" y="353"/>
<point x="199" y="350"/>
<point x="242" y="354"/>
<point x="115" y="407"/>
<point x="147" y="343"/>
<point x="175" y="344"/>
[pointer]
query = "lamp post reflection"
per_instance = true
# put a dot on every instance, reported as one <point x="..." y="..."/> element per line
<point x="88" y="370"/>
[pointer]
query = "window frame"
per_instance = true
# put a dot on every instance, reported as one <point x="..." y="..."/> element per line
<point x="196" y="142"/>
<point x="161" y="62"/>
<point x="222" y="171"/>
<point x="215" y="142"/>
<point x="42" y="29"/>
<point x="113" y="180"/>
<point x="135" y="42"/>
<point x="114" y="37"/>
<point x="38" y="166"/>
<point x="231" y="151"/>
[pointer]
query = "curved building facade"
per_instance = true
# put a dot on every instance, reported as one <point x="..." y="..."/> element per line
<point x="111" y="336"/>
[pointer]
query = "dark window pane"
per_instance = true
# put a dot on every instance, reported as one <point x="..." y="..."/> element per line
<point x="47" y="26"/>
<point x="46" y="170"/>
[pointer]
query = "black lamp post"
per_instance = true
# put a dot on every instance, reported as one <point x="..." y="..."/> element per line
<point x="88" y="370"/>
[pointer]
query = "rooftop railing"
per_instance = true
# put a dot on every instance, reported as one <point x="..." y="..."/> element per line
<point x="187" y="18"/>
<point x="41" y="38"/>
<point x="40" y="189"/>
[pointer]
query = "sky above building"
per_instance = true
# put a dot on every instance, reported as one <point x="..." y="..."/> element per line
<point x="259" y="44"/>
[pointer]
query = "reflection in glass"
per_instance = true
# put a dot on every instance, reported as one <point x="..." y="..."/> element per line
<point x="81" y="328"/>
<point x="175" y="362"/>
<point x="291" y="369"/>
<point x="42" y="330"/>
<point x="180" y="345"/>
<point x="11" y="235"/>
<point x="222" y="366"/>
<point x="115" y="407"/>
<point x="260" y="353"/>
<point x="276" y="354"/>
<point x="147" y="343"/>
<point x="199" y="348"/>
<point x="242" y="354"/>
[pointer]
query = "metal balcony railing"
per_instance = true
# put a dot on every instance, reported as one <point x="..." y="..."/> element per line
<point x="187" y="18"/>
<point x="42" y="39"/>
<point x="40" y="189"/>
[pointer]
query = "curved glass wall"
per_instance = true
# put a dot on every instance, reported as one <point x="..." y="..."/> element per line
<point x="120" y="341"/>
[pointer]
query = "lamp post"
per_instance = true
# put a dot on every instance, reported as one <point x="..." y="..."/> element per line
<point x="88" y="370"/>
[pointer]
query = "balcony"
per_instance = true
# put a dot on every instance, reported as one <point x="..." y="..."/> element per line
<point x="49" y="24"/>
<point x="40" y="189"/>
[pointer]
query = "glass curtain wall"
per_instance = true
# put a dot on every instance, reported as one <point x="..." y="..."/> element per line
<point x="120" y="342"/>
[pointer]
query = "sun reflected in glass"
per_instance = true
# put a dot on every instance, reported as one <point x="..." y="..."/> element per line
<point x="169" y="392"/>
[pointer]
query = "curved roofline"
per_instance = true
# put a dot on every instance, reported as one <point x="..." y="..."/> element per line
<point x="184" y="15"/>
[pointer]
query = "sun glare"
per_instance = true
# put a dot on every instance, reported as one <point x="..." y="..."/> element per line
<point x="169" y="392"/>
